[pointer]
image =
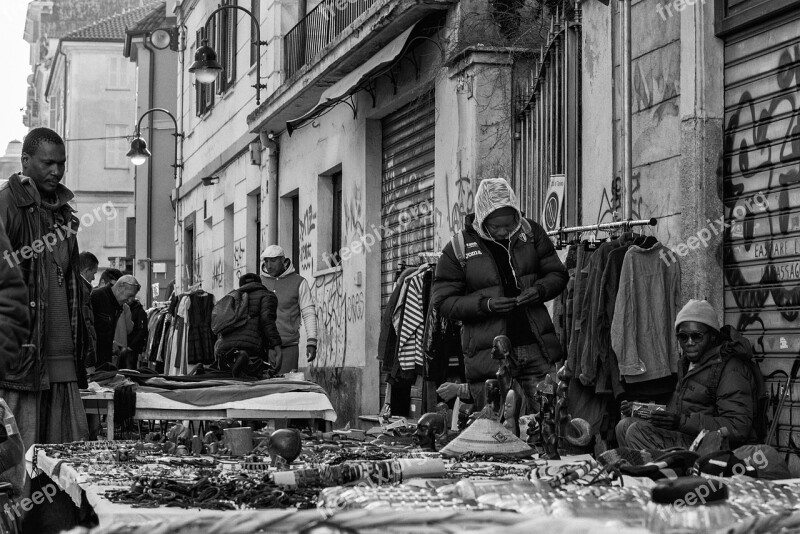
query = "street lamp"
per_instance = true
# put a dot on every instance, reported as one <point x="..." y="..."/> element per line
<point x="206" y="67"/>
<point x="139" y="152"/>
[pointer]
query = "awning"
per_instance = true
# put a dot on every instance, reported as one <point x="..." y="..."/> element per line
<point x="355" y="80"/>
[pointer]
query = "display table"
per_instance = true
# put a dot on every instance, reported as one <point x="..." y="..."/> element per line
<point x="218" y="399"/>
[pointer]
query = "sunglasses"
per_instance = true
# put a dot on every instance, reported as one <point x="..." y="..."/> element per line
<point x="696" y="337"/>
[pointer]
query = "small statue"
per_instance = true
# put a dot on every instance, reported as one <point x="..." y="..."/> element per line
<point x="502" y="350"/>
<point x="494" y="399"/>
<point x="511" y="411"/>
<point x="429" y="427"/>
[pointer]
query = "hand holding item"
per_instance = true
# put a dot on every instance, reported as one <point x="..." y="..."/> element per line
<point x="276" y="357"/>
<point x="447" y="391"/>
<point x="625" y="408"/>
<point x="311" y="353"/>
<point x="665" y="420"/>
<point x="500" y="304"/>
<point x="530" y="295"/>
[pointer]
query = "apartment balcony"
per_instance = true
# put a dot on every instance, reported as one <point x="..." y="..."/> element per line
<point x="328" y="44"/>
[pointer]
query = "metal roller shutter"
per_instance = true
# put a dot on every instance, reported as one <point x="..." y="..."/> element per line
<point x="406" y="188"/>
<point x="762" y="165"/>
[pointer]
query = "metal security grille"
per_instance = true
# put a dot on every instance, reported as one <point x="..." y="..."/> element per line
<point x="547" y="122"/>
<point x="761" y="170"/>
<point x="406" y="188"/>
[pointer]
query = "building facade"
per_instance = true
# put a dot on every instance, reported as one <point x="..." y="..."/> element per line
<point x="152" y="46"/>
<point x="376" y="121"/>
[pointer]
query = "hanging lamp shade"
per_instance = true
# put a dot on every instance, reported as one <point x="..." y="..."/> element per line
<point x="138" y="153"/>
<point x="205" y="66"/>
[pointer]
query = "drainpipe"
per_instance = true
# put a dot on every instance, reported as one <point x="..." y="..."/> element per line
<point x="627" y="110"/>
<point x="272" y="190"/>
<point x="150" y="105"/>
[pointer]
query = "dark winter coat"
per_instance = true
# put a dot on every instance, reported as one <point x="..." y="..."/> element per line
<point x="138" y="336"/>
<point x="91" y="343"/>
<point x="24" y="219"/>
<point x="106" y="314"/>
<point x="733" y="403"/>
<point x="260" y="332"/>
<point x="461" y="294"/>
<point x="13" y="308"/>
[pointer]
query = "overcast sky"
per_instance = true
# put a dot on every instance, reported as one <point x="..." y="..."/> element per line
<point x="15" y="70"/>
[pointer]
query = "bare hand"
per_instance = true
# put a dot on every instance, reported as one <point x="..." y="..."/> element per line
<point x="665" y="420"/>
<point x="530" y="295"/>
<point x="276" y="357"/>
<point x="625" y="408"/>
<point x="311" y="353"/>
<point x="447" y="391"/>
<point x="501" y="304"/>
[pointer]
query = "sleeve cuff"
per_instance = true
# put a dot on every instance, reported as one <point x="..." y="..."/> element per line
<point x="311" y="341"/>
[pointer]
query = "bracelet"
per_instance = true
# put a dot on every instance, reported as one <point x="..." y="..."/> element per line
<point x="489" y="305"/>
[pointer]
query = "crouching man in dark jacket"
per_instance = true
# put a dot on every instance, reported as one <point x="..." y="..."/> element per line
<point x="506" y="271"/>
<point x="717" y="387"/>
<point x="246" y="349"/>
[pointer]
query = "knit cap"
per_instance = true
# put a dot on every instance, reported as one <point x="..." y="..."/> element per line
<point x="699" y="311"/>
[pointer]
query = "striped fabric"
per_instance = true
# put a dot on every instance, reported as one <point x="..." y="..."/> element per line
<point x="411" y="327"/>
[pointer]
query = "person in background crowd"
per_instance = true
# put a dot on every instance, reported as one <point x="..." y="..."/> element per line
<point x="710" y="355"/>
<point x="107" y="304"/>
<point x="258" y="336"/>
<point x="137" y="337"/>
<point x="109" y="276"/>
<point x="294" y="301"/>
<point x="507" y="270"/>
<point x="41" y="384"/>
<point x="88" y="268"/>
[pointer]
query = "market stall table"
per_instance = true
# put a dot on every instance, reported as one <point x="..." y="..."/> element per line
<point x="166" y="400"/>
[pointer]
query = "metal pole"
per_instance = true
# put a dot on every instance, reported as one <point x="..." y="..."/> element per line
<point x="627" y="110"/>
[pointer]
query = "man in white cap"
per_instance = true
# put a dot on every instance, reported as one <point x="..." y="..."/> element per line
<point x="717" y="387"/>
<point x="294" y="303"/>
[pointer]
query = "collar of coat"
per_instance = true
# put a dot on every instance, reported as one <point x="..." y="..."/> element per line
<point x="26" y="194"/>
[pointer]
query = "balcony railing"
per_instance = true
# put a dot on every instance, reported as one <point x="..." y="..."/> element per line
<point x="319" y="28"/>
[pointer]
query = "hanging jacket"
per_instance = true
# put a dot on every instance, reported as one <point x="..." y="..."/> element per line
<point x="461" y="294"/>
<point x="642" y="333"/>
<point x="732" y="405"/>
<point x="22" y="215"/>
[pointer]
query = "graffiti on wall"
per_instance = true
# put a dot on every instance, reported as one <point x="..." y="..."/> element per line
<point x="354" y="214"/>
<point x="217" y="274"/>
<point x="331" y="303"/>
<point x="460" y="199"/>
<point x="239" y="260"/>
<point x="308" y="223"/>
<point x="761" y="154"/>
<point x="355" y="307"/>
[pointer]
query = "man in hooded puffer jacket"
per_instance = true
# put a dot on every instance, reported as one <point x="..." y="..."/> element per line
<point x="259" y="334"/>
<point x="510" y="269"/>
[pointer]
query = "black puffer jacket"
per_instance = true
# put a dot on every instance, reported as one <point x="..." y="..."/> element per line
<point x="461" y="294"/>
<point x="732" y="404"/>
<point x="260" y="332"/>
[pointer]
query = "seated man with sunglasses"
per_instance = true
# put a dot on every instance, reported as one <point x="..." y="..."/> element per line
<point x="717" y="387"/>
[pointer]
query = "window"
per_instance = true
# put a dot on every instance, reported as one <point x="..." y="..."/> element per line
<point x="118" y="73"/>
<point x="228" y="262"/>
<point x="227" y="46"/>
<point x="188" y="252"/>
<point x="116" y="228"/>
<point x="295" y="230"/>
<point x="336" y="219"/>
<point x="253" y="244"/>
<point x="116" y="146"/>
<point x="255" y="9"/>
<point x="204" y="93"/>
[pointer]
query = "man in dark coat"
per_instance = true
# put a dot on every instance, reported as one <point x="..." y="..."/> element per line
<point x="89" y="265"/>
<point x="259" y="334"/>
<point x="107" y="304"/>
<point x="509" y="269"/>
<point x="41" y="383"/>
<point x="13" y="309"/>
<point x="717" y="388"/>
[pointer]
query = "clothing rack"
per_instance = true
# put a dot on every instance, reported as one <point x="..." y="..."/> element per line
<point x="605" y="226"/>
